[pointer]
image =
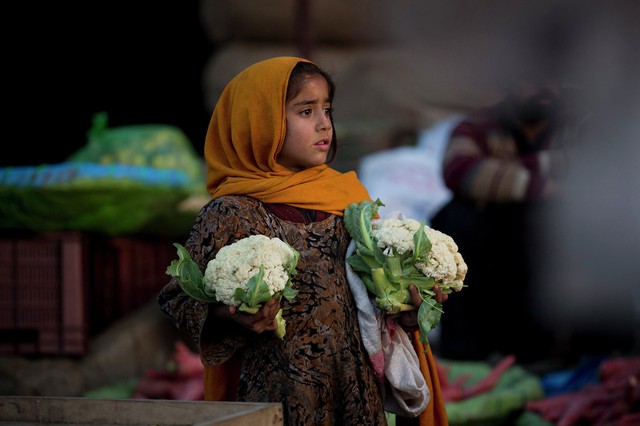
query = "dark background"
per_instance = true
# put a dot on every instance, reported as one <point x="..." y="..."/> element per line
<point x="140" y="61"/>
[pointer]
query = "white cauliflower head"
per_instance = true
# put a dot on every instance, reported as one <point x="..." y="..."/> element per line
<point x="236" y="263"/>
<point x="444" y="263"/>
<point x="394" y="233"/>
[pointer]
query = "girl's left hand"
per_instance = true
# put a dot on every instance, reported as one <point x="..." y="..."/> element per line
<point x="409" y="319"/>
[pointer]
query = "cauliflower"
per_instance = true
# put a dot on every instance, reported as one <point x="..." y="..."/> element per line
<point x="235" y="264"/>
<point x="245" y="274"/>
<point x="392" y="233"/>
<point x="443" y="263"/>
<point x="394" y="252"/>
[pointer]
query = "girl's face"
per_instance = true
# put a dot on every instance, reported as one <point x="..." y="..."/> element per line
<point x="309" y="128"/>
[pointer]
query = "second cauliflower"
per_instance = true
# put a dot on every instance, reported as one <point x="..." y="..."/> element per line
<point x="444" y="263"/>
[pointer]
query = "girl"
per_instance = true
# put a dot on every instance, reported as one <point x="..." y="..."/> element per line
<point x="267" y="147"/>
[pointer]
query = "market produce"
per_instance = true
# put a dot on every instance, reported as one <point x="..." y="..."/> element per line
<point x="395" y="252"/>
<point x="182" y="379"/>
<point x="245" y="274"/>
<point x="459" y="388"/>
<point x="487" y="394"/>
<point x="615" y="400"/>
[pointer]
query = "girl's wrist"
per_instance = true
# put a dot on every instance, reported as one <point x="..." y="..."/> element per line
<point x="219" y="310"/>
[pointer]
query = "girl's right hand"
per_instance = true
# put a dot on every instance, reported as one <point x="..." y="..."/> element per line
<point x="263" y="320"/>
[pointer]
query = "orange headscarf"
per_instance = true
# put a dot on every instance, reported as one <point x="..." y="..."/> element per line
<point x="245" y="135"/>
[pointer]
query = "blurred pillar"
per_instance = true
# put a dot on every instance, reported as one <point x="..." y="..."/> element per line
<point x="303" y="28"/>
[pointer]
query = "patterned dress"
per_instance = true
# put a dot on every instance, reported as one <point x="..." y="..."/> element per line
<point x="320" y="372"/>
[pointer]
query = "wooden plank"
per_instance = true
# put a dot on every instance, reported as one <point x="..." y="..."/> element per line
<point x="108" y="412"/>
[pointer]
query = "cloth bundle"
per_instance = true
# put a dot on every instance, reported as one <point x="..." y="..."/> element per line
<point x="394" y="360"/>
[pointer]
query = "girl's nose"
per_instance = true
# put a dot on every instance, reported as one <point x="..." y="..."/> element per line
<point x="324" y="123"/>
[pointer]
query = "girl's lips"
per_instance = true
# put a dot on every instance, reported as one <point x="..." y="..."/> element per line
<point x="323" y="144"/>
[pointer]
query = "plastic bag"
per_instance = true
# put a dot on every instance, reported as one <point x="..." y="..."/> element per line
<point x="160" y="146"/>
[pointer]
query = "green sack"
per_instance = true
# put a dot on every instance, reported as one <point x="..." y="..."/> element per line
<point x="106" y="198"/>
<point x="128" y="179"/>
<point x="153" y="145"/>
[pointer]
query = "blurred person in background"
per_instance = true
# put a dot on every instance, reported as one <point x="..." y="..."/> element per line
<point x="504" y="166"/>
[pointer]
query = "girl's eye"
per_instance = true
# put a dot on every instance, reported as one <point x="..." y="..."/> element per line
<point x="328" y="111"/>
<point x="305" y="112"/>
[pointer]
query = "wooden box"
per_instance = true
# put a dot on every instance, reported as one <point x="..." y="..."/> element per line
<point x="135" y="412"/>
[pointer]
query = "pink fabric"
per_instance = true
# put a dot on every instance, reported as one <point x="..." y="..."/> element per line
<point x="377" y="362"/>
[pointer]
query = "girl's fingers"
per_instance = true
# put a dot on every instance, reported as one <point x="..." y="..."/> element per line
<point x="264" y="319"/>
<point x="415" y="295"/>
<point x="271" y="309"/>
<point x="409" y="319"/>
<point x="440" y="296"/>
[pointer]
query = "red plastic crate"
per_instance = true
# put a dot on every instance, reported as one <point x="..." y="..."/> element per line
<point x="127" y="273"/>
<point x="43" y="302"/>
<point x="142" y="265"/>
<point x="57" y="290"/>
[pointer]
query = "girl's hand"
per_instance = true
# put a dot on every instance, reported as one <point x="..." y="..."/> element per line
<point x="263" y="320"/>
<point x="409" y="319"/>
<point x="440" y="296"/>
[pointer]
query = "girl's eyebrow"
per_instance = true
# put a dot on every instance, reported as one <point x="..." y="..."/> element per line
<point x="310" y="102"/>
